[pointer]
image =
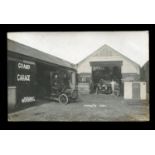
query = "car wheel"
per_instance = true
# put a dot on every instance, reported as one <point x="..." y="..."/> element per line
<point x="63" y="98"/>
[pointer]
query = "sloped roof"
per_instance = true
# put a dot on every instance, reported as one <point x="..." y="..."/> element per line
<point x="106" y="47"/>
<point x="146" y="64"/>
<point x="31" y="52"/>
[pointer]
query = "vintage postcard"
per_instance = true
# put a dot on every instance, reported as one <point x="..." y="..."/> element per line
<point x="78" y="76"/>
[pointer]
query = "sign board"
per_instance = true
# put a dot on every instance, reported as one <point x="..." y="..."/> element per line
<point x="25" y="82"/>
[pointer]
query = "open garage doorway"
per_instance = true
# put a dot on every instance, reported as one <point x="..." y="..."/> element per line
<point x="51" y="79"/>
<point x="106" y="73"/>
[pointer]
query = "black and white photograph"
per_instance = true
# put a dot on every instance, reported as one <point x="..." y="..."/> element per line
<point x="76" y="77"/>
<point x="85" y="76"/>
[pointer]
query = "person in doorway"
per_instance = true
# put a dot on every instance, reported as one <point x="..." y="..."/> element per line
<point x="66" y="80"/>
<point x="113" y="86"/>
<point x="55" y="83"/>
<point x="55" y="80"/>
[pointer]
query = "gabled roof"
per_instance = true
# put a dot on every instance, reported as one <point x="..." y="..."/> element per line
<point x="107" y="47"/>
<point x="31" y="52"/>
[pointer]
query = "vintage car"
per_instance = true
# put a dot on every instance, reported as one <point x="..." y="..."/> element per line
<point x="65" y="96"/>
<point x="103" y="87"/>
<point x="63" y="92"/>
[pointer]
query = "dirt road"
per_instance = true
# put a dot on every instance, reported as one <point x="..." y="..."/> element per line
<point x="87" y="108"/>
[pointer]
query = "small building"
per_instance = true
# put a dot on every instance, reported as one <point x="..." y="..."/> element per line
<point x="30" y="71"/>
<point x="145" y="74"/>
<point x="109" y="64"/>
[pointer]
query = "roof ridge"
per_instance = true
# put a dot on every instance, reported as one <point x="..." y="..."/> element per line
<point x="123" y="55"/>
<point x="106" y="45"/>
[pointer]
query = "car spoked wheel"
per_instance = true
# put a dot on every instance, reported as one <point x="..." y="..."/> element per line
<point x="63" y="98"/>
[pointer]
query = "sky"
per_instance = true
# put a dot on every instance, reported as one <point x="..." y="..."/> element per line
<point x="75" y="46"/>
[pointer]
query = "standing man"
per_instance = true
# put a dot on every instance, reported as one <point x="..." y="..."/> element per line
<point x="55" y="83"/>
<point x="113" y="86"/>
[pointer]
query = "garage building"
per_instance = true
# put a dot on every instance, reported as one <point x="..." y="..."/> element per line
<point x="109" y="64"/>
<point x="30" y="72"/>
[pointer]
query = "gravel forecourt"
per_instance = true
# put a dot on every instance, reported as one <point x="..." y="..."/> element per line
<point x="89" y="107"/>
